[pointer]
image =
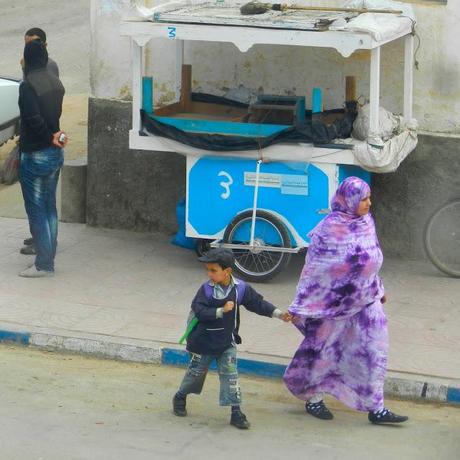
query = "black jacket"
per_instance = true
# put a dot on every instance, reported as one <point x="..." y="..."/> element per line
<point x="212" y="336"/>
<point x="40" y="104"/>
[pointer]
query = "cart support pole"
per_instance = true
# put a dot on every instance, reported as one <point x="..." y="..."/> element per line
<point x="408" y="75"/>
<point x="374" y="95"/>
<point x="254" y="205"/>
<point x="137" y="69"/>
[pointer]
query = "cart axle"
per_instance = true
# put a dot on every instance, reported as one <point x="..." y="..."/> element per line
<point x="255" y="248"/>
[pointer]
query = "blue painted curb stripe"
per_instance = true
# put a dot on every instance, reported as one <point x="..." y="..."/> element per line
<point x="260" y="368"/>
<point x="181" y="358"/>
<point x="453" y="395"/>
<point x="17" y="337"/>
<point x="174" y="357"/>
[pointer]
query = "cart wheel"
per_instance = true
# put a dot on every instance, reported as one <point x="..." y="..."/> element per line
<point x="258" y="265"/>
<point x="202" y="246"/>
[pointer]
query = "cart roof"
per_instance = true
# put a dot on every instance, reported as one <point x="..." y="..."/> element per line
<point x="186" y="20"/>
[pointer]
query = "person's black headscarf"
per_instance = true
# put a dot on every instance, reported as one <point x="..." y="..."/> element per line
<point x="35" y="56"/>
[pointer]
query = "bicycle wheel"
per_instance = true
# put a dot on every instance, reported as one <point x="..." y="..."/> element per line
<point x="258" y="265"/>
<point x="442" y="239"/>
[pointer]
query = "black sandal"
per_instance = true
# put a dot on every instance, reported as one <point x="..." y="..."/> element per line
<point x="386" y="416"/>
<point x="319" y="410"/>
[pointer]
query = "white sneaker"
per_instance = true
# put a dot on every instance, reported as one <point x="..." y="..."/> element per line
<point x="32" y="272"/>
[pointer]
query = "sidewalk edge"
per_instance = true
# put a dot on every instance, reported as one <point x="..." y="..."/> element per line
<point x="154" y="353"/>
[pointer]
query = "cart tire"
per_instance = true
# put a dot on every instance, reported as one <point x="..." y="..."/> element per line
<point x="202" y="246"/>
<point x="265" y="265"/>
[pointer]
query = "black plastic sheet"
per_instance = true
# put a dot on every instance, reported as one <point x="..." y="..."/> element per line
<point x="314" y="130"/>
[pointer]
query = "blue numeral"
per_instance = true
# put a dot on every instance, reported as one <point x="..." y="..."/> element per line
<point x="171" y="32"/>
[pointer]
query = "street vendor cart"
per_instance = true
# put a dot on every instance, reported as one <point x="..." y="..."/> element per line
<point x="260" y="201"/>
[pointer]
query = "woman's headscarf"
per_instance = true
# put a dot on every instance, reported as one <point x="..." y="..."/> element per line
<point x="349" y="194"/>
<point x="35" y="56"/>
<point x="340" y="276"/>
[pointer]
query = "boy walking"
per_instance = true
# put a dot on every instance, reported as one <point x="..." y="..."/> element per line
<point x="216" y="307"/>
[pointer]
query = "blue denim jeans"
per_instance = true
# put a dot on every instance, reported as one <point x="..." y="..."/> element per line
<point x="230" y="394"/>
<point x="39" y="175"/>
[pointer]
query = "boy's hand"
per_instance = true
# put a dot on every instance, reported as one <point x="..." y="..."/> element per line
<point x="286" y="317"/>
<point x="229" y="306"/>
<point x="384" y="299"/>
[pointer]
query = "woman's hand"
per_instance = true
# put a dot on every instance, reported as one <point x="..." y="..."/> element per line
<point x="295" y="319"/>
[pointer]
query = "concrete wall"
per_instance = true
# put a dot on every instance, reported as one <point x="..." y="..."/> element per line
<point x="403" y="201"/>
<point x="128" y="188"/>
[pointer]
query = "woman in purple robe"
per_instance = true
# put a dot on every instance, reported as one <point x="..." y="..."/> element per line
<point x="338" y="308"/>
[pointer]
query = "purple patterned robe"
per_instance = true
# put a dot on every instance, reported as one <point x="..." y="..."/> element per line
<point x="338" y="308"/>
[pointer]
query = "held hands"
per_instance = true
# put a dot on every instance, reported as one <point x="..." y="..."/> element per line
<point x="229" y="306"/>
<point x="286" y="317"/>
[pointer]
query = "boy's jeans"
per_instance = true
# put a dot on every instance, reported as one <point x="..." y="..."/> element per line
<point x="195" y="376"/>
<point x="39" y="175"/>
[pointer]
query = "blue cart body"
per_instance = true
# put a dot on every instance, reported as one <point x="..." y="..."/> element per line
<point x="297" y="193"/>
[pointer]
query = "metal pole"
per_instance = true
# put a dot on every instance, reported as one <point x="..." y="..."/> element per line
<point x="138" y="72"/>
<point x="374" y="95"/>
<point x="254" y="206"/>
<point x="408" y="75"/>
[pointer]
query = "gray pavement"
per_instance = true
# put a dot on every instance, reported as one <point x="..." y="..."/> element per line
<point x="137" y="287"/>
<point x="67" y="25"/>
<point x="57" y="407"/>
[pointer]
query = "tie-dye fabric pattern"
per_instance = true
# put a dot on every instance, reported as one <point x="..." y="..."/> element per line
<point x="338" y="309"/>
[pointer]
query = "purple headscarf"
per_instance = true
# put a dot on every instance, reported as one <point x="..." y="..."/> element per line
<point x="340" y="276"/>
<point x="349" y="194"/>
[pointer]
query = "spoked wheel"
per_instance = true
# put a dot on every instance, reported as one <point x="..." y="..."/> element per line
<point x="442" y="239"/>
<point x="258" y="265"/>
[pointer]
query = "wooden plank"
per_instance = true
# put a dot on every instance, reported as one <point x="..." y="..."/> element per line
<point x="169" y="110"/>
<point x="186" y="88"/>
<point x="350" y="89"/>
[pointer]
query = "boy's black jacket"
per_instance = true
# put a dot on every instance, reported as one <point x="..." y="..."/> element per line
<point x="212" y="336"/>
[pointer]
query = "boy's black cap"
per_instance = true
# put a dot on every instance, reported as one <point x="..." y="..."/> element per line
<point x="223" y="257"/>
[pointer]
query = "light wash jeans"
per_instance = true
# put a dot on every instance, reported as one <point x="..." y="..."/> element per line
<point x="230" y="394"/>
<point x="39" y="175"/>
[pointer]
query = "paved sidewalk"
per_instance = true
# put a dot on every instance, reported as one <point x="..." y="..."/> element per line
<point x="134" y="286"/>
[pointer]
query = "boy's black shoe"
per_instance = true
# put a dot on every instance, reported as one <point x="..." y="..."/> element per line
<point x="179" y="406"/>
<point x="28" y="242"/>
<point x="386" y="416"/>
<point x="239" y="420"/>
<point x="319" y="410"/>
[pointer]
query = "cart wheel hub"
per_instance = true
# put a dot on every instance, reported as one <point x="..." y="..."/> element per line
<point x="258" y="246"/>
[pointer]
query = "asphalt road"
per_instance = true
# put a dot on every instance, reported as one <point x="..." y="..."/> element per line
<point x="67" y="24"/>
<point x="56" y="406"/>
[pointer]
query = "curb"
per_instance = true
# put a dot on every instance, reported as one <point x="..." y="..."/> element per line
<point x="415" y="388"/>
